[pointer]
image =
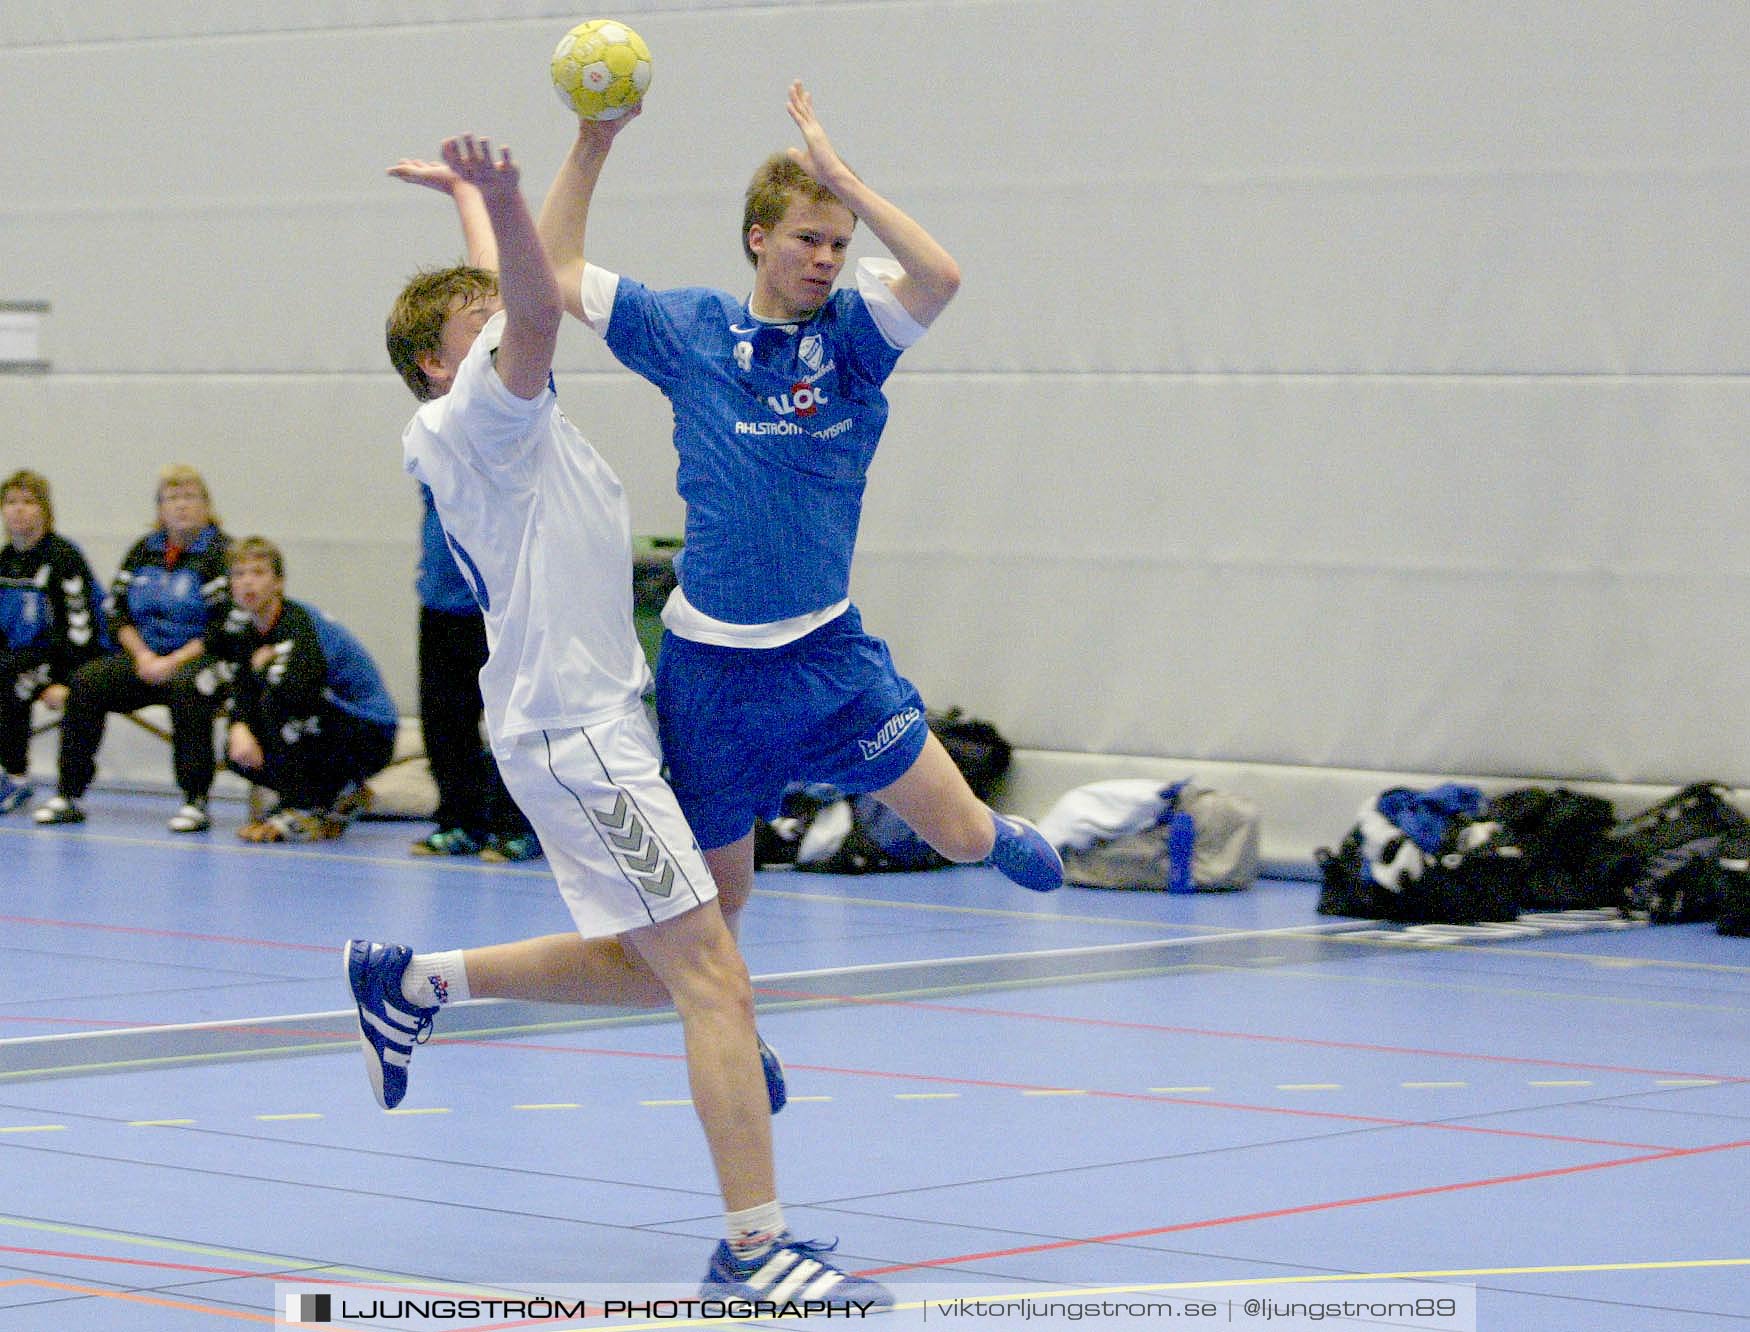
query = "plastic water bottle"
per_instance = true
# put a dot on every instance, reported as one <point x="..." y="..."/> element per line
<point x="1181" y="839"/>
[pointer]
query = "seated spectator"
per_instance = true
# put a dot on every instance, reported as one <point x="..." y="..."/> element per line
<point x="310" y="718"/>
<point x="167" y="598"/>
<point x="51" y="622"/>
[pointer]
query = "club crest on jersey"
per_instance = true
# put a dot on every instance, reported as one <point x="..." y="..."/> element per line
<point x="812" y="351"/>
<point x="894" y="727"/>
<point x="801" y="400"/>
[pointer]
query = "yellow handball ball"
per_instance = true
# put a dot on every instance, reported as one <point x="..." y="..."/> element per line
<point x="601" y="69"/>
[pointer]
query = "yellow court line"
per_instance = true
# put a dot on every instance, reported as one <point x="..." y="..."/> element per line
<point x="34" y="1128"/>
<point x="1421" y="1086"/>
<point x="550" y="1105"/>
<point x="306" y="1114"/>
<point x="275" y="1263"/>
<point x="1309" y="1086"/>
<point x="1174" y="1091"/>
<point x="133" y="1297"/>
<point x="926" y="1096"/>
<point x="664" y="1103"/>
<point x="1559" y="1082"/>
<point x="421" y="1110"/>
<point x="1054" y="1091"/>
<point x="1470" y="988"/>
<point x="158" y="1123"/>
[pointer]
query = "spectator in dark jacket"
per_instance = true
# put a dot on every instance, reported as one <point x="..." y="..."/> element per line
<point x="310" y="716"/>
<point x="51" y="622"/>
<point x="168" y="598"/>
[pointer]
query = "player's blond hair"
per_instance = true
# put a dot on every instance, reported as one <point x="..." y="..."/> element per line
<point x="775" y="185"/>
<point x="257" y="548"/>
<point x="181" y="474"/>
<point x="415" y="326"/>
<point x="36" y="485"/>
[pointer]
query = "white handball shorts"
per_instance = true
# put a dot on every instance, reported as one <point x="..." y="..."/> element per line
<point x="609" y="824"/>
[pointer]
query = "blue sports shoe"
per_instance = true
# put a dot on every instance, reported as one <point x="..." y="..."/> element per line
<point x="13" y="792"/>
<point x="776" y="1090"/>
<point x="791" y="1270"/>
<point x="389" y="1026"/>
<point x="1024" y="856"/>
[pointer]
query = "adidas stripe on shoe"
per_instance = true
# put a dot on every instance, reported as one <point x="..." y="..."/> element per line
<point x="792" y="1270"/>
<point x="389" y="1026"/>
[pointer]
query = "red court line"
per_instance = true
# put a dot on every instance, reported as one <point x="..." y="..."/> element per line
<point x="937" y="1079"/>
<point x="1312" y="1042"/>
<point x="1308" y="1208"/>
<point x="166" y="934"/>
<point x="134" y="1297"/>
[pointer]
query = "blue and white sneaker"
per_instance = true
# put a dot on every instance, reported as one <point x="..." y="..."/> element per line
<point x="791" y="1270"/>
<point x="389" y="1026"/>
<point x="777" y="1091"/>
<point x="1024" y="856"/>
<point x="13" y="793"/>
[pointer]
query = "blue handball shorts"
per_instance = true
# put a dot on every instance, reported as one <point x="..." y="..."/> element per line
<point x="738" y="725"/>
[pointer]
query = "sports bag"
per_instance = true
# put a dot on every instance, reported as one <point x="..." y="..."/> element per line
<point x="1423" y="857"/>
<point x="1560" y="834"/>
<point x="1665" y="861"/>
<point x="1135" y="833"/>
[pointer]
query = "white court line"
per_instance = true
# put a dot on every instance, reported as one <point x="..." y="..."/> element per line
<point x="775" y="980"/>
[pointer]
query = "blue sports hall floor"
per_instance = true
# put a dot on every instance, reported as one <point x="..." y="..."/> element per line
<point x="1154" y="1099"/>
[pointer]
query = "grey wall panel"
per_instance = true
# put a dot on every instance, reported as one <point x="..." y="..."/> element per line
<point x="1348" y="383"/>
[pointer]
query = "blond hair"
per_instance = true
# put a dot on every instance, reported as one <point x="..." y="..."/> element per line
<point x="257" y="548"/>
<point x="415" y="327"/>
<point x="181" y="474"/>
<point x="36" y="485"/>
<point x="776" y="183"/>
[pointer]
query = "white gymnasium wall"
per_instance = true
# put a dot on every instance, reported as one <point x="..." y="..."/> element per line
<point x="1354" y="385"/>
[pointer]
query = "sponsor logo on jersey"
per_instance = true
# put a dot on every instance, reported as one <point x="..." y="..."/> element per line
<point x="891" y="729"/>
<point x="744" y="356"/>
<point x="803" y="399"/>
<point x="768" y="428"/>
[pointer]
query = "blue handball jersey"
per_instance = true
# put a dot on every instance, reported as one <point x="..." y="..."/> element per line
<point x="775" y="426"/>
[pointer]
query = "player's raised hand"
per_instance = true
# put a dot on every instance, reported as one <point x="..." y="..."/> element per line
<point x="817" y="156"/>
<point x="603" y="131"/>
<point x="432" y="175"/>
<point x="473" y="161"/>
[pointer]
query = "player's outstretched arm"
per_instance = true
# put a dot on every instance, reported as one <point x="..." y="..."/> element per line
<point x="931" y="276"/>
<point x="565" y="214"/>
<point x="532" y="305"/>
<point x="476" y="226"/>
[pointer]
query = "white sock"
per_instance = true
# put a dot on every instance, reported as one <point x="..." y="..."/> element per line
<point x="432" y="979"/>
<point x="753" y="1232"/>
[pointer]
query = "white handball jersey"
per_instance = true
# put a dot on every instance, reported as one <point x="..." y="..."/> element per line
<point x="539" y="526"/>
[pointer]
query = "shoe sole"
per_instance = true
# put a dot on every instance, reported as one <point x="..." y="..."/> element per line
<point x="373" y="1067"/>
